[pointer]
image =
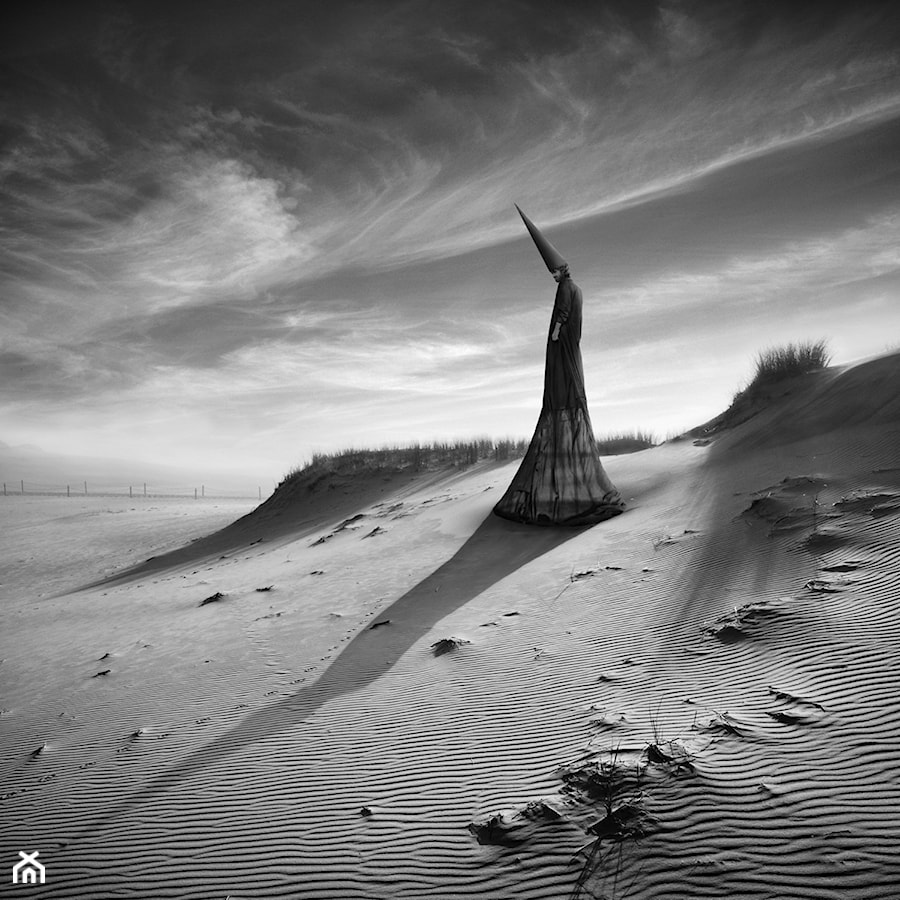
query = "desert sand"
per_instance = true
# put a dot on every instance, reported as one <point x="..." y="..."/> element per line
<point x="379" y="690"/>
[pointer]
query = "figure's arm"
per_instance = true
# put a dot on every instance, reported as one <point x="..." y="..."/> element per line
<point x="563" y="305"/>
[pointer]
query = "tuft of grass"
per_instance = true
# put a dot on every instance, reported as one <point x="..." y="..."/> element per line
<point x="618" y="788"/>
<point x="777" y="363"/>
<point x="773" y="365"/>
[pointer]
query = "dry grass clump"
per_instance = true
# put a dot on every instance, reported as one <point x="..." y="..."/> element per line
<point x="778" y="363"/>
<point x="774" y="365"/>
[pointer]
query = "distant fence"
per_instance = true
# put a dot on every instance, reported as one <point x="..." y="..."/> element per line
<point x="144" y="489"/>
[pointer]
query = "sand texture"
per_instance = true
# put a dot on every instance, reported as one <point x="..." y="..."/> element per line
<point x="391" y="693"/>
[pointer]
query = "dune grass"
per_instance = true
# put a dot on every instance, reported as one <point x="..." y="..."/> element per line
<point x="626" y="442"/>
<point x="776" y="364"/>
<point x="415" y="456"/>
<point x="422" y="457"/>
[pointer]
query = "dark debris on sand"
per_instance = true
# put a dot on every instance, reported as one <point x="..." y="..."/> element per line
<point x="447" y="645"/>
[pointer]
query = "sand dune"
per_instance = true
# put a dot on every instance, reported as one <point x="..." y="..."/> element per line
<point x="399" y="695"/>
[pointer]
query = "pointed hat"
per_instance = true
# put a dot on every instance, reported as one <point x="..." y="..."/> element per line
<point x="552" y="257"/>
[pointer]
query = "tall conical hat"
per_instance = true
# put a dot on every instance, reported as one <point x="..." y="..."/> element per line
<point x="552" y="257"/>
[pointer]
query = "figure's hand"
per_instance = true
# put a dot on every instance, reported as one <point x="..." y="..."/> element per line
<point x="555" y="335"/>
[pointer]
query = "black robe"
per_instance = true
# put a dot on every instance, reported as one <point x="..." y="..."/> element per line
<point x="561" y="480"/>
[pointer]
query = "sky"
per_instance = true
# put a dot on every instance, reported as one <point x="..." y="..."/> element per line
<point x="235" y="234"/>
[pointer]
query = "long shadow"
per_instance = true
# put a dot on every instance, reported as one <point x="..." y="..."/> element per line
<point x="749" y="544"/>
<point x="294" y="511"/>
<point x="496" y="549"/>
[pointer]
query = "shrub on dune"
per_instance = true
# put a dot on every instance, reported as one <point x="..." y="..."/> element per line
<point x="776" y="363"/>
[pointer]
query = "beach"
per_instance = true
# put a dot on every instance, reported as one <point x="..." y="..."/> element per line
<point x="388" y="692"/>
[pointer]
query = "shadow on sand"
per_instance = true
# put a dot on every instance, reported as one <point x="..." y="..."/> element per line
<point x="496" y="549"/>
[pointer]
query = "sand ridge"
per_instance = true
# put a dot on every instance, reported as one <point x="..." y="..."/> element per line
<point x="693" y="699"/>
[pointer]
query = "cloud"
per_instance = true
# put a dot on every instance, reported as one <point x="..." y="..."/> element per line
<point x="220" y="229"/>
<point x="299" y="219"/>
<point x="211" y="227"/>
<point x="615" y="119"/>
<point x="400" y="138"/>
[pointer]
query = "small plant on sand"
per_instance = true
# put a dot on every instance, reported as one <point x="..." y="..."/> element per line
<point x="669" y="753"/>
<point x="775" y="364"/>
<point x="617" y="787"/>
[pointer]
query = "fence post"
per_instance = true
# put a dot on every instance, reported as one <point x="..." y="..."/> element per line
<point x="145" y="488"/>
<point x="259" y="489"/>
<point x="195" y="493"/>
<point x="68" y="492"/>
<point x="129" y="491"/>
<point x="85" y="489"/>
<point x="202" y="490"/>
<point x="22" y="485"/>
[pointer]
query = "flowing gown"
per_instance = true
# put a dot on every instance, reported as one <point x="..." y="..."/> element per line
<point x="561" y="480"/>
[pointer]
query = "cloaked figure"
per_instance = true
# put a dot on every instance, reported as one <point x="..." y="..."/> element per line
<point x="561" y="480"/>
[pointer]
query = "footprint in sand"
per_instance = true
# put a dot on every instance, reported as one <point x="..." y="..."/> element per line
<point x="826" y="585"/>
<point x="608" y="721"/>
<point x="842" y="567"/>
<point x="788" y="506"/>
<point x="726" y="724"/>
<point x="876" y="502"/>
<point x="447" y="645"/>
<point x="352" y="523"/>
<point x="795" y="710"/>
<point x="736" y="625"/>
<point x="513" y="828"/>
